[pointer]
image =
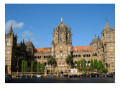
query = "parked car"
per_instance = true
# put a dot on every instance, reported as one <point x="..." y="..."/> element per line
<point x="8" y="78"/>
<point x="83" y="75"/>
<point x="29" y="75"/>
<point x="19" y="76"/>
<point x="109" y="75"/>
<point x="23" y="76"/>
<point x="38" y="75"/>
<point x="101" y="75"/>
<point x="93" y="75"/>
<point x="50" y="75"/>
<point x="66" y="75"/>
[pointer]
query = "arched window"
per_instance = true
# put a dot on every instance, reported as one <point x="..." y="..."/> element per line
<point x="95" y="54"/>
<point x="87" y="55"/>
<point x="76" y="55"/>
<point x="44" y="57"/>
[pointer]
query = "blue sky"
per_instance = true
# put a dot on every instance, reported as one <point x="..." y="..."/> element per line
<point x="36" y="21"/>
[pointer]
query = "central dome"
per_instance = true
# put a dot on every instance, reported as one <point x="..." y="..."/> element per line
<point x="61" y="25"/>
<point x="95" y="40"/>
<point x="29" y="43"/>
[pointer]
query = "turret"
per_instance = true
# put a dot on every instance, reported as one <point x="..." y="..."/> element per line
<point x="10" y="33"/>
<point x="30" y="47"/>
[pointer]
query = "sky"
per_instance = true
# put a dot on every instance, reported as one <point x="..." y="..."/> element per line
<point x="35" y="22"/>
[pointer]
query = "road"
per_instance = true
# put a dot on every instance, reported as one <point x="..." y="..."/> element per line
<point x="65" y="80"/>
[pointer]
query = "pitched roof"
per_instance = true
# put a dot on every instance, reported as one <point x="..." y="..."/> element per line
<point x="43" y="49"/>
<point x="82" y="48"/>
<point x="75" y="48"/>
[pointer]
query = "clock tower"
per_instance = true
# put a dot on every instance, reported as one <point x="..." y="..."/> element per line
<point x="108" y="38"/>
<point x="10" y="44"/>
<point x="61" y="44"/>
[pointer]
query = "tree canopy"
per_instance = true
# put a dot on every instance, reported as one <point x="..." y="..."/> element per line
<point x="32" y="66"/>
<point x="42" y="67"/>
<point x="69" y="60"/>
<point x="91" y="65"/>
<point x="51" y="61"/>
<point x="78" y="65"/>
<point x="83" y="64"/>
<point x="38" y="67"/>
<point x="24" y="66"/>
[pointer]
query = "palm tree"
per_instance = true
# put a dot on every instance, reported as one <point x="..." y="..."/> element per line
<point x="69" y="60"/>
<point x="51" y="61"/>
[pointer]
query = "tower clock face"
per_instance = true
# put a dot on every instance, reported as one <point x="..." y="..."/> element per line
<point x="61" y="47"/>
<point x="110" y="38"/>
<point x="61" y="51"/>
<point x="8" y="43"/>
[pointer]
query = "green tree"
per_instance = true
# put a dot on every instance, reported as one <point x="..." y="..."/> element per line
<point x="95" y="64"/>
<point x="25" y="66"/>
<point x="78" y="65"/>
<point x="42" y="67"/>
<point x="105" y="70"/>
<point x="100" y="66"/>
<point x="32" y="66"/>
<point x="38" y="67"/>
<point x="83" y="64"/>
<point x="84" y="67"/>
<point x="51" y="61"/>
<point x="22" y="66"/>
<point x="69" y="60"/>
<point x="91" y="65"/>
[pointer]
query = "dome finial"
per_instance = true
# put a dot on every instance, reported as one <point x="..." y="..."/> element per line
<point x="61" y="19"/>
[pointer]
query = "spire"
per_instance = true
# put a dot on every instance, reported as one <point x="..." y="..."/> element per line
<point x="11" y="30"/>
<point x="23" y="41"/>
<point x="107" y="24"/>
<point x="98" y="37"/>
<point x="16" y="35"/>
<point x="95" y="35"/>
<point x="61" y="20"/>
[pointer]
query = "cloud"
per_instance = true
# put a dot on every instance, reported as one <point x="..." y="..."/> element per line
<point x="15" y="25"/>
<point x="36" y="42"/>
<point x="27" y="35"/>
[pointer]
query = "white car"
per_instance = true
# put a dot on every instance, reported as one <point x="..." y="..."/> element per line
<point x="38" y="75"/>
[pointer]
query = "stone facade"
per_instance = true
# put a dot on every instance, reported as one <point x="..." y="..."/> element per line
<point x="61" y="47"/>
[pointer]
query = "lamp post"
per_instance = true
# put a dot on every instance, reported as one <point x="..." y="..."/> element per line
<point x="6" y="66"/>
<point x="17" y="64"/>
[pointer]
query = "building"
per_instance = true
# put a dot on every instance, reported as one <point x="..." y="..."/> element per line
<point x="61" y="46"/>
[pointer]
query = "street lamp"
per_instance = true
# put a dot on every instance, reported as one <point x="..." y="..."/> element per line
<point x="18" y="63"/>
